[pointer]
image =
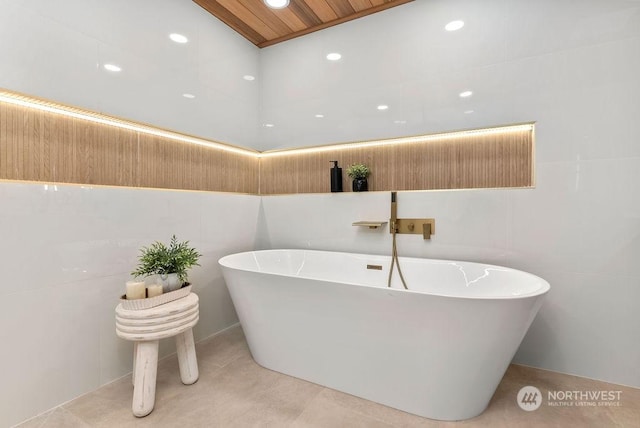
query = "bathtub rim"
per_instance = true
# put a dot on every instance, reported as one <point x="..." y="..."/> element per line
<point x="545" y="287"/>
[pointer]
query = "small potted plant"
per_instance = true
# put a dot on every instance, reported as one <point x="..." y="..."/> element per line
<point x="359" y="173"/>
<point x="169" y="262"/>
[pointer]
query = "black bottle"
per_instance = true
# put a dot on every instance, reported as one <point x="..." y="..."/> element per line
<point x="336" y="177"/>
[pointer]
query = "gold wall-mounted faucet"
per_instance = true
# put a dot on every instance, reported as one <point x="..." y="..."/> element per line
<point x="417" y="226"/>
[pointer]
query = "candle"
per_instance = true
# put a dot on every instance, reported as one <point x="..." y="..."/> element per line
<point x="135" y="290"/>
<point x="154" y="290"/>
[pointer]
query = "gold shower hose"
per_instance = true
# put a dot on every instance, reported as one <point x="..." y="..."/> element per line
<point x="394" y="259"/>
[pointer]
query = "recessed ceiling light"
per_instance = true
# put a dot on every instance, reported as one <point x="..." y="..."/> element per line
<point x="468" y="112"/>
<point x="319" y="116"/>
<point x="465" y="94"/>
<point x="454" y="25"/>
<point x="178" y="38"/>
<point x="248" y="77"/>
<point x="334" y="56"/>
<point x="277" y="4"/>
<point x="383" y="107"/>
<point x="112" y="67"/>
<point x="190" y="96"/>
<point x="269" y="125"/>
<point x="400" y="122"/>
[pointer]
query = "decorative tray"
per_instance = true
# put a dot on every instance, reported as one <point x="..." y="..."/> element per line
<point x="150" y="302"/>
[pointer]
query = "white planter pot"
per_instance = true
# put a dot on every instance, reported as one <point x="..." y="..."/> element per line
<point x="170" y="282"/>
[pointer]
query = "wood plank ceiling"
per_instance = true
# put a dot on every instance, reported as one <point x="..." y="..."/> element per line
<point x="264" y="26"/>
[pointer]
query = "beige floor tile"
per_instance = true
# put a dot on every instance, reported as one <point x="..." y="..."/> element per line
<point x="627" y="415"/>
<point x="503" y="410"/>
<point x="34" y="422"/>
<point x="245" y="394"/>
<point x="223" y="348"/>
<point x="111" y="402"/>
<point x="241" y="394"/>
<point x="383" y="413"/>
<point x="112" y="398"/>
<point x="37" y="421"/>
<point x="324" y="412"/>
<point x="110" y="405"/>
<point x="234" y="391"/>
<point x="56" y="418"/>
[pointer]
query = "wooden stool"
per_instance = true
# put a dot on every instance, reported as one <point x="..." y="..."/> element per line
<point x="146" y="327"/>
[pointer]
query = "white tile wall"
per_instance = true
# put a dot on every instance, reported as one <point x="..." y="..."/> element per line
<point x="323" y="221"/>
<point x="56" y="50"/>
<point x="570" y="66"/>
<point x="66" y="253"/>
<point x="579" y="229"/>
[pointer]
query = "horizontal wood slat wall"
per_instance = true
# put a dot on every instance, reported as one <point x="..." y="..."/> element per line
<point x="42" y="146"/>
<point x="466" y="162"/>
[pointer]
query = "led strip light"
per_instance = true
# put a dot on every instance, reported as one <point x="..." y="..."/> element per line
<point x="402" y="140"/>
<point x="25" y="101"/>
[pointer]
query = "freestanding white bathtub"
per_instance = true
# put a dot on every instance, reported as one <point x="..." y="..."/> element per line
<point x="438" y="350"/>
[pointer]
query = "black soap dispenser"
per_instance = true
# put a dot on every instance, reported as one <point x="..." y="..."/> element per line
<point x="336" y="177"/>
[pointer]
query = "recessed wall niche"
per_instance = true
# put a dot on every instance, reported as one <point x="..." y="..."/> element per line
<point x="472" y="159"/>
<point x="49" y="142"/>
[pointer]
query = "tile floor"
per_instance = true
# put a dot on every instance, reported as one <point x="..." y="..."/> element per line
<point x="233" y="391"/>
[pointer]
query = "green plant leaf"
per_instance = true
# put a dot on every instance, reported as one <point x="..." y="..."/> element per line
<point x="158" y="259"/>
<point x="358" y="171"/>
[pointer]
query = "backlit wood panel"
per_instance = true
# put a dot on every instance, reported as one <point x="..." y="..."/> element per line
<point x="48" y="147"/>
<point x="38" y="145"/>
<point x="264" y="26"/>
<point x="471" y="161"/>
